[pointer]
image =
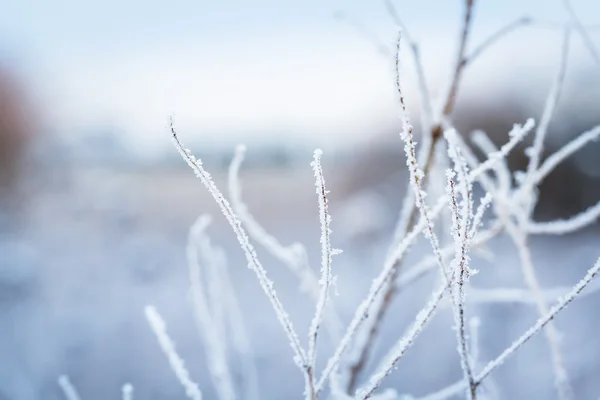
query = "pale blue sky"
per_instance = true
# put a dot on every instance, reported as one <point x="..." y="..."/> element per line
<point x="239" y="70"/>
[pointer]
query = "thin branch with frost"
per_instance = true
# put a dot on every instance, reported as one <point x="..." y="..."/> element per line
<point x="223" y="297"/>
<point x="552" y="335"/>
<point x="253" y="262"/>
<point x="541" y="323"/>
<point x="569" y="225"/>
<point x="409" y="212"/>
<point x="168" y="347"/>
<point x="364" y="307"/>
<point x="127" y="391"/>
<point x="496" y="36"/>
<point x="294" y="257"/>
<point x="428" y="263"/>
<point x="516" y="135"/>
<point x="364" y="31"/>
<point x="326" y="275"/>
<point x="239" y="337"/>
<point x="397" y="352"/>
<point x="67" y="387"/>
<point x="503" y="175"/>
<point x="384" y="276"/>
<point x="563" y="301"/>
<point x="424" y="93"/>
<point x="517" y="295"/>
<point x="564" y="152"/>
<point x="478" y="217"/>
<point x="535" y="152"/>
<point x="582" y="31"/>
<point x="209" y="321"/>
<point x="461" y="240"/>
<point x="461" y="60"/>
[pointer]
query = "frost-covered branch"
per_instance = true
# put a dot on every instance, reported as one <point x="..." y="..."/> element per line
<point x="460" y="230"/>
<point x="424" y="94"/>
<point x="563" y="226"/>
<point x="210" y="322"/>
<point x="516" y="136"/>
<point x="496" y="36"/>
<point x="564" y="152"/>
<point x="397" y="352"/>
<point x="294" y="257"/>
<point x="127" y="391"/>
<point x="253" y="262"/>
<point x="67" y="388"/>
<point x="503" y="175"/>
<point x="582" y="31"/>
<point x="541" y="323"/>
<point x="168" y="347"/>
<point x="365" y="32"/>
<point x="461" y="59"/>
<point x="326" y="275"/>
<point x="535" y="152"/>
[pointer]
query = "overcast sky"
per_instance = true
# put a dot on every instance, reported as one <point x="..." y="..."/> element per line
<point x="244" y="70"/>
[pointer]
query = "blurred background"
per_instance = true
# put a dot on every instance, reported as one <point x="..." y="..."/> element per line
<point x="95" y="203"/>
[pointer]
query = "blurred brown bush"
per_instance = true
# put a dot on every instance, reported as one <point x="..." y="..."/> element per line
<point x="16" y="134"/>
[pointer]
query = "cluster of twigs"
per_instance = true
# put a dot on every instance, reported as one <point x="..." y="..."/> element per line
<point x="512" y="198"/>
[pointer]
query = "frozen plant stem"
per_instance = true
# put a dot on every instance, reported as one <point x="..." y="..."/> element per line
<point x="251" y="256"/>
<point x="168" y="347"/>
<point x="127" y="391"/>
<point x="460" y="231"/>
<point x="294" y="257"/>
<point x="541" y="323"/>
<point x="68" y="389"/>
<point x="410" y="210"/>
<point x="326" y="276"/>
<point x="208" y="320"/>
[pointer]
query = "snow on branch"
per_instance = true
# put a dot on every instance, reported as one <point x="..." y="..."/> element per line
<point x="567" y="150"/>
<point x="127" y="391"/>
<point x="326" y="275"/>
<point x="543" y="321"/>
<point x="209" y="320"/>
<point x="67" y="388"/>
<point x="294" y="257"/>
<point x="251" y="256"/>
<point x="159" y="328"/>
<point x="562" y="226"/>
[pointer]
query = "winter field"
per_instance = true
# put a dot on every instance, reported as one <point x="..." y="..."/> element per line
<point x="453" y="253"/>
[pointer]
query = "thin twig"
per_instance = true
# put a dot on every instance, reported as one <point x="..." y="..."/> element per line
<point x="535" y="152"/>
<point x="541" y="323"/>
<point x="326" y="275"/>
<point x="127" y="391"/>
<point x="582" y="31"/>
<point x="294" y="256"/>
<point x="363" y="31"/>
<point x="563" y="301"/>
<point x="409" y="213"/>
<point x="459" y="230"/>
<point x="461" y="60"/>
<point x="67" y="387"/>
<point x="564" y="152"/>
<point x="251" y="256"/>
<point x="168" y="347"/>
<point x="496" y="36"/>
<point x="563" y="226"/>
<point x="424" y="93"/>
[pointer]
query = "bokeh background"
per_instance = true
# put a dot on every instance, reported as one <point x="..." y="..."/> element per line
<point x="95" y="203"/>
